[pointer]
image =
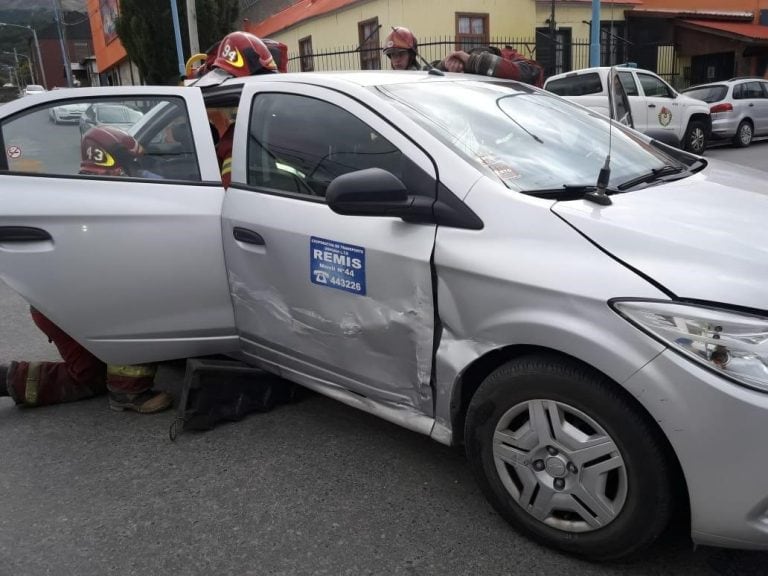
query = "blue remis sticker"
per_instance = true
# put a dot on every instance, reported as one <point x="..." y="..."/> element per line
<point x="337" y="265"/>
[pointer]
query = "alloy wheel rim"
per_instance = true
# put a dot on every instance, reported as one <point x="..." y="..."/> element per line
<point x="746" y="134"/>
<point x="560" y="466"/>
<point x="697" y="140"/>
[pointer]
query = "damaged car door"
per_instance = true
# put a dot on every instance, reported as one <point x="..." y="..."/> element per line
<point x="337" y="303"/>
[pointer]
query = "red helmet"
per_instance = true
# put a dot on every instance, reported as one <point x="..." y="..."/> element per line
<point x="108" y="151"/>
<point x="400" y="39"/>
<point x="243" y="54"/>
<point x="238" y="54"/>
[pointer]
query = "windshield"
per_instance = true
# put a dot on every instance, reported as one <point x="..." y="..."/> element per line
<point x="530" y="140"/>
<point x="708" y="94"/>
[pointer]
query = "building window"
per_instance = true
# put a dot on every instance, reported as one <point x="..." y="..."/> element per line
<point x="553" y="52"/>
<point x="613" y="44"/>
<point x="471" y="30"/>
<point x="370" y="53"/>
<point x="305" y="54"/>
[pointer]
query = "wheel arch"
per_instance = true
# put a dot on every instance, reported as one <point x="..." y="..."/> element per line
<point x="474" y="374"/>
<point x="706" y="119"/>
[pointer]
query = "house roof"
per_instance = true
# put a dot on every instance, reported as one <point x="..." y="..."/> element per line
<point x="298" y="12"/>
<point x="697" y="14"/>
<point x="740" y="30"/>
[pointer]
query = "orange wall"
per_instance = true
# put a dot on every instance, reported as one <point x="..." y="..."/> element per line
<point x="107" y="55"/>
<point x="722" y="5"/>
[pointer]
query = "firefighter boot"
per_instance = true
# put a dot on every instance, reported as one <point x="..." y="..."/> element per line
<point x="130" y="388"/>
<point x="147" y="402"/>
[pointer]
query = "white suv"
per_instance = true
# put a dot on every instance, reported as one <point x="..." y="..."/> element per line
<point x="657" y="109"/>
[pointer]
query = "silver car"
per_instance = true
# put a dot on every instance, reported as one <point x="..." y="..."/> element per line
<point x="108" y="114"/>
<point x="739" y="108"/>
<point x="435" y="250"/>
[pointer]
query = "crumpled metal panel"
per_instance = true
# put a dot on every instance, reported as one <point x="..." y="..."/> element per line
<point x="381" y="350"/>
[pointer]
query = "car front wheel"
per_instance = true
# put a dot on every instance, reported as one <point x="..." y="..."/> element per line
<point x="743" y="136"/>
<point x="695" y="139"/>
<point x="568" y="459"/>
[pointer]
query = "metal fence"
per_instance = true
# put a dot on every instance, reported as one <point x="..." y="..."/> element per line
<point x="555" y="56"/>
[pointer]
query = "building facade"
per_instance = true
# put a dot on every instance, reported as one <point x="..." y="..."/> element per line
<point x="321" y="34"/>
<point x="714" y="39"/>
<point x="112" y="65"/>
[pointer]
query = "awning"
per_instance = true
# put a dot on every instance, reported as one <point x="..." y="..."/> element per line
<point x="742" y="31"/>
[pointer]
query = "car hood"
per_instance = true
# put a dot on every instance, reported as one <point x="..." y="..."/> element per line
<point x="704" y="237"/>
<point x="688" y="101"/>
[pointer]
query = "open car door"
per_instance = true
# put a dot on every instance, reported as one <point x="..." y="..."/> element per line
<point x="119" y="245"/>
<point x="619" y="101"/>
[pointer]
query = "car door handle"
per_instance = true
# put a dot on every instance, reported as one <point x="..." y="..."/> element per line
<point x="751" y="104"/>
<point x="23" y="234"/>
<point x="248" y="236"/>
<point x="651" y="105"/>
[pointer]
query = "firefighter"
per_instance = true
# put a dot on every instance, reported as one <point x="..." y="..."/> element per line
<point x="401" y="47"/>
<point x="489" y="61"/>
<point x="238" y="54"/>
<point x="105" y="151"/>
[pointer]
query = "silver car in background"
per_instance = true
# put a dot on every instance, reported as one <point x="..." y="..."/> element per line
<point x="739" y="108"/>
<point x="479" y="261"/>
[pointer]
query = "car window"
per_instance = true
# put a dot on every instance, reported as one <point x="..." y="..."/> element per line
<point x="628" y="81"/>
<point x="708" y="94"/>
<point x="578" y="85"/>
<point x="653" y="86"/>
<point x="93" y="138"/>
<point x="300" y="144"/>
<point x="752" y="90"/>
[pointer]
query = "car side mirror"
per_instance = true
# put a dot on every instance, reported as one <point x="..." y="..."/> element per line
<point x="374" y="192"/>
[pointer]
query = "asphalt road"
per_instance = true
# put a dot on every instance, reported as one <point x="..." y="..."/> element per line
<point x="313" y="487"/>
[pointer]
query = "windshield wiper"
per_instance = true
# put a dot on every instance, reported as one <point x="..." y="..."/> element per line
<point x="652" y="176"/>
<point x="569" y="192"/>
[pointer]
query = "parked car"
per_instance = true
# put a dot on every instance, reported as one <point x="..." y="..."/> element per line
<point x="108" y="114"/>
<point x="435" y="251"/>
<point x="657" y="109"/>
<point x="32" y="89"/>
<point x="67" y="113"/>
<point x="739" y="108"/>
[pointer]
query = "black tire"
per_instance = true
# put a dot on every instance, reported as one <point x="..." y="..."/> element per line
<point x="744" y="134"/>
<point x="646" y="474"/>
<point x="695" y="139"/>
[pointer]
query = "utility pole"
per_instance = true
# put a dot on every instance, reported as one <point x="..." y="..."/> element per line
<point x="177" y="34"/>
<point x="594" y="32"/>
<point x="194" y="41"/>
<point x="553" y="39"/>
<point x="37" y="48"/>
<point x="64" y="56"/>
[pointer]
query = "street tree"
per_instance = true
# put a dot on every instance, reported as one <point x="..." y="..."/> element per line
<point x="145" y="28"/>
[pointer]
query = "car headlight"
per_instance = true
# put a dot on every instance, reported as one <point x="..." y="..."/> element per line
<point x="733" y="344"/>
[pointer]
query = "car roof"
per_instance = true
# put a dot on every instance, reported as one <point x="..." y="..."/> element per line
<point x="362" y="78"/>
